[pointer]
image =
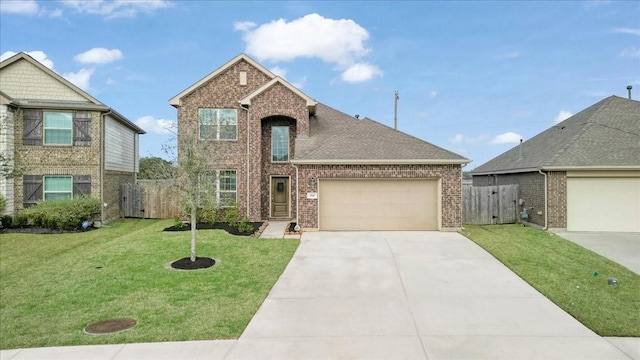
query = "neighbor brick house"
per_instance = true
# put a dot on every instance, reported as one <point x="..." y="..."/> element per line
<point x="66" y="142"/>
<point x="280" y="155"/>
<point x="582" y="174"/>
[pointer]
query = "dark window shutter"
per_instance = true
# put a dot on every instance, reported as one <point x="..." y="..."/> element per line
<point x="32" y="127"/>
<point x="31" y="190"/>
<point x="81" y="185"/>
<point x="82" y="128"/>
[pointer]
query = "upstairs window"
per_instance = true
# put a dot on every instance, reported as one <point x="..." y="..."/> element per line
<point x="218" y="124"/>
<point x="280" y="143"/>
<point x="58" y="128"/>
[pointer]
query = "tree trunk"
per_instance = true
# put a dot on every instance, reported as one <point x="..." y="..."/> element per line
<point x="193" y="233"/>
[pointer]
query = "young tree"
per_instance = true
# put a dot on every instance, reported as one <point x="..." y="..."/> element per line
<point x="193" y="181"/>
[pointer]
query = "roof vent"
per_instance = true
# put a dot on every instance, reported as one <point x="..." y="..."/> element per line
<point x="357" y="116"/>
<point x="629" y="87"/>
<point x="520" y="151"/>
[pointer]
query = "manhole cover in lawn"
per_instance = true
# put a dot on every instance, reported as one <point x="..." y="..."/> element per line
<point x="110" y="326"/>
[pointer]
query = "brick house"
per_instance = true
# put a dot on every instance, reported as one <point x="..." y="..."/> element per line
<point x="66" y="142"/>
<point x="582" y="174"/>
<point x="280" y="155"/>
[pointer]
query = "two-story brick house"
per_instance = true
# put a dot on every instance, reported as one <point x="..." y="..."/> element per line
<point x="280" y="155"/>
<point x="66" y="142"/>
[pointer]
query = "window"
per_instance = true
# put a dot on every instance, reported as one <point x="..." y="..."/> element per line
<point x="58" y="128"/>
<point x="223" y="184"/>
<point x="58" y="187"/>
<point x="218" y="124"/>
<point x="280" y="143"/>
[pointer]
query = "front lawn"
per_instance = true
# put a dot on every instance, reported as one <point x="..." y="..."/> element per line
<point x="52" y="286"/>
<point x="574" y="278"/>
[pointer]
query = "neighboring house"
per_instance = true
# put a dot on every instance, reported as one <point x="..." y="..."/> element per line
<point x="582" y="174"/>
<point x="66" y="142"/>
<point x="279" y="155"/>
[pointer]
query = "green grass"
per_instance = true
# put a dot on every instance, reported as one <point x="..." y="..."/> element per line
<point x="564" y="273"/>
<point x="51" y="288"/>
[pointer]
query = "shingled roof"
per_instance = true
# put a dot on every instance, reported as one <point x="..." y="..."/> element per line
<point x="606" y="135"/>
<point x="337" y="138"/>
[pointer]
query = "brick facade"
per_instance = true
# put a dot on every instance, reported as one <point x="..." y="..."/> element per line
<point x="557" y="199"/>
<point x="250" y="153"/>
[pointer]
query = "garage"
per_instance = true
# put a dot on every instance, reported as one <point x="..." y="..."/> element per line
<point x="603" y="204"/>
<point x="379" y="204"/>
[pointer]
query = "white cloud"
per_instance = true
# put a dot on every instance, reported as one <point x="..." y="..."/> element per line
<point x="282" y="72"/>
<point x="433" y="94"/>
<point x="510" y="55"/>
<point x="630" y="52"/>
<point x="459" y="138"/>
<point x="562" y="116"/>
<point x="25" y="7"/>
<point x="506" y="138"/>
<point x="158" y="126"/>
<point x="243" y="25"/>
<point x="80" y="78"/>
<point x="360" y="72"/>
<point x="98" y="56"/>
<point x="339" y="42"/>
<point x="40" y="56"/>
<point x="629" y="31"/>
<point x="116" y="8"/>
<point x="300" y="83"/>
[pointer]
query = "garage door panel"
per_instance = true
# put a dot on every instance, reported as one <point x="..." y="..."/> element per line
<point x="603" y="204"/>
<point x="378" y="204"/>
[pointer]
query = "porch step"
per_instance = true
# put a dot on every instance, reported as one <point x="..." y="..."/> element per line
<point x="275" y="230"/>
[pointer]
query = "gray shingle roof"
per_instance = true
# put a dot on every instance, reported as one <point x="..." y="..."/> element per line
<point x="335" y="136"/>
<point x="606" y="134"/>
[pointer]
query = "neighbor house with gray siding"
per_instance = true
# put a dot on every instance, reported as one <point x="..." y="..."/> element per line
<point x="65" y="142"/>
<point x="278" y="154"/>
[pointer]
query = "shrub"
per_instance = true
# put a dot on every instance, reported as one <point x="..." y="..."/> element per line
<point x="244" y="226"/>
<point x="62" y="214"/>
<point x="20" y="220"/>
<point x="231" y="216"/>
<point x="6" y="220"/>
<point x="208" y="214"/>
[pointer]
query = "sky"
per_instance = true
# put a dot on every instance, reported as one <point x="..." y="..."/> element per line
<point x="472" y="77"/>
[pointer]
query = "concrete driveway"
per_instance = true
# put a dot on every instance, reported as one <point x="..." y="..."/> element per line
<point x="409" y="295"/>
<point x="623" y="248"/>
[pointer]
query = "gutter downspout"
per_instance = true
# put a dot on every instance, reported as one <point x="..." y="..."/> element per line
<point x="102" y="162"/>
<point x="546" y="218"/>
<point x="297" y="228"/>
<point x="248" y="165"/>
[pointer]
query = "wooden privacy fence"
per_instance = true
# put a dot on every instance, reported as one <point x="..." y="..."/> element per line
<point x="150" y="199"/>
<point x="485" y="205"/>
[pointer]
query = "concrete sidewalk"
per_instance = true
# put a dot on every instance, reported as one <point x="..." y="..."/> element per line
<point x="387" y="295"/>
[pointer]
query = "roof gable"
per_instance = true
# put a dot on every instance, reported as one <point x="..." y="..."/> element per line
<point x="348" y="140"/>
<point x="278" y="80"/>
<point x="604" y="135"/>
<point x="175" y="101"/>
<point x="46" y="84"/>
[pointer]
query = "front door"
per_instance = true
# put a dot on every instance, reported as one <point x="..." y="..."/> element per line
<point x="279" y="197"/>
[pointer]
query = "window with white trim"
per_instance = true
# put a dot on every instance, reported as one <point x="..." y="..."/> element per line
<point x="58" y="187"/>
<point x="218" y="124"/>
<point x="279" y="143"/>
<point x="58" y="128"/>
<point x="223" y="184"/>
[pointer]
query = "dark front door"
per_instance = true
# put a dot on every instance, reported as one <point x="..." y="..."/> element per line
<point x="279" y="197"/>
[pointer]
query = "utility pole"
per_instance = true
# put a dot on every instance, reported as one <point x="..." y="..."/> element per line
<point x="395" y="110"/>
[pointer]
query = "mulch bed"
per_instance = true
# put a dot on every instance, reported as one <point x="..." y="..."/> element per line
<point x="219" y="225"/>
<point x="187" y="264"/>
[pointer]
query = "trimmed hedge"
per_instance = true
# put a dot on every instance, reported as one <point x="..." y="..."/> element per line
<point x="62" y="214"/>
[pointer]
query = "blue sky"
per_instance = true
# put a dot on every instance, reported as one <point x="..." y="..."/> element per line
<point x="472" y="77"/>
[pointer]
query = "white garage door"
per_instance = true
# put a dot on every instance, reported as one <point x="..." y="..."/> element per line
<point x="378" y="204"/>
<point x="603" y="204"/>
